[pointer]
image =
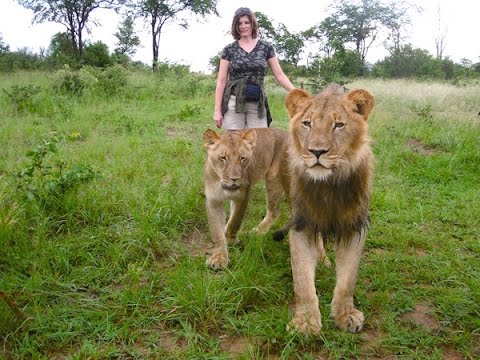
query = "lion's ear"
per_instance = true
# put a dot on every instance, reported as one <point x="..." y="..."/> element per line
<point x="363" y="102"/>
<point x="210" y="137"/>
<point x="250" y="138"/>
<point x="296" y="100"/>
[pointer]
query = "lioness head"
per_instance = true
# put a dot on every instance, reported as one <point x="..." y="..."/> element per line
<point x="329" y="131"/>
<point x="229" y="155"/>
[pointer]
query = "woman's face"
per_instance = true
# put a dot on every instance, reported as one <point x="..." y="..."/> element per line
<point x="244" y="26"/>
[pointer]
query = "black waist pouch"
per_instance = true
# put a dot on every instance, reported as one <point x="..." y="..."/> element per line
<point x="253" y="92"/>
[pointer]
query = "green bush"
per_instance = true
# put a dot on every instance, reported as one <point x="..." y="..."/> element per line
<point x="45" y="182"/>
<point x="22" y="97"/>
<point x="73" y="82"/>
<point x="112" y="80"/>
<point x="97" y="54"/>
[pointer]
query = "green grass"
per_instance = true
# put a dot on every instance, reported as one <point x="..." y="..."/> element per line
<point x="115" y="268"/>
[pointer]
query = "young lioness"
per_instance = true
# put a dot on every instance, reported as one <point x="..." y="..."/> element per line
<point x="235" y="161"/>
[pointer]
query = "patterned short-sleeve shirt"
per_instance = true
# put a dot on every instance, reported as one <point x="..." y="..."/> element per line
<point x="250" y="65"/>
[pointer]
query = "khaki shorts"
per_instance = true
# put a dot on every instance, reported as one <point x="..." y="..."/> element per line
<point x="247" y="120"/>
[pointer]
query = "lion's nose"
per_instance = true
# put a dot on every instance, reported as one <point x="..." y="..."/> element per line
<point x="318" y="153"/>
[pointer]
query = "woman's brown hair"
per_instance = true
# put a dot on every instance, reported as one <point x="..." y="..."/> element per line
<point x="243" y="11"/>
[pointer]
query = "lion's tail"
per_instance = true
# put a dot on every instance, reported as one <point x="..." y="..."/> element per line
<point x="280" y="234"/>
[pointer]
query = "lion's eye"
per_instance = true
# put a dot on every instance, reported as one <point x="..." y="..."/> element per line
<point x="339" y="125"/>
<point x="243" y="158"/>
<point x="307" y="123"/>
<point x="223" y="158"/>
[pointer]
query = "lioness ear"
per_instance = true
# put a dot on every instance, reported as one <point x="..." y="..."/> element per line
<point x="250" y="138"/>
<point x="296" y="100"/>
<point x="363" y="102"/>
<point x="210" y="137"/>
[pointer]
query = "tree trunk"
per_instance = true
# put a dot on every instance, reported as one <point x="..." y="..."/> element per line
<point x="80" y="44"/>
<point x="155" y="45"/>
<point x="155" y="54"/>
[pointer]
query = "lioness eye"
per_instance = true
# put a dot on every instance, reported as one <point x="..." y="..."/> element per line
<point x="243" y="158"/>
<point x="339" y="125"/>
<point x="223" y="158"/>
<point x="307" y="123"/>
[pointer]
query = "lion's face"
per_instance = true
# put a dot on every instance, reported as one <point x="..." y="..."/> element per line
<point x="229" y="155"/>
<point x="329" y="131"/>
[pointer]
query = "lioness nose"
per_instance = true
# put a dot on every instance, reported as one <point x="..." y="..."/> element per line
<point x="318" y="153"/>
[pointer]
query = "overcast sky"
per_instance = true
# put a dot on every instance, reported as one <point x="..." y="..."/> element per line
<point x="195" y="46"/>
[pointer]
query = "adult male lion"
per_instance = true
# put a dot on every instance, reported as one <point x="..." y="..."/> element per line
<point x="235" y="161"/>
<point x="330" y="163"/>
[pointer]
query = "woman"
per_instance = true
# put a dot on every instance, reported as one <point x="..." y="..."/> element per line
<point x="240" y="100"/>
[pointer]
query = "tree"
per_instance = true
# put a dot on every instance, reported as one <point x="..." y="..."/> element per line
<point x="326" y="36"/>
<point x="288" y="45"/>
<point x="397" y="22"/>
<point x="97" y="54"/>
<point x="266" y="28"/>
<point x="362" y="22"/>
<point x="409" y="62"/>
<point x="214" y="62"/>
<point x="127" y="39"/>
<point x="158" y="13"/>
<point x="440" y="39"/>
<point x="62" y="50"/>
<point x="73" y="14"/>
<point x="4" y="48"/>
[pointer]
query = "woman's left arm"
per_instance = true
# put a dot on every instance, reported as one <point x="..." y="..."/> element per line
<point x="279" y="75"/>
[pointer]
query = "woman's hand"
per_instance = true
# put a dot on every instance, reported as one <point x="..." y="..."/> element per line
<point x="218" y="118"/>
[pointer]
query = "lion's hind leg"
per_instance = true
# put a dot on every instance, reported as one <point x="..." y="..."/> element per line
<point x="322" y="255"/>
<point x="348" y="253"/>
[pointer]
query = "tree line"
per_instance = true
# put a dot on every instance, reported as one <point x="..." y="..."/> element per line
<point x="334" y="50"/>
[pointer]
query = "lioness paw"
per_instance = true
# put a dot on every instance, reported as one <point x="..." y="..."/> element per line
<point x="351" y="321"/>
<point x="307" y="325"/>
<point x="218" y="261"/>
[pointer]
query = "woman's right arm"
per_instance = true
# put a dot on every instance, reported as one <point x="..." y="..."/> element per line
<point x="219" y="90"/>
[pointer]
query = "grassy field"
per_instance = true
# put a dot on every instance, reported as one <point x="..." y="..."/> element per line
<point x="103" y="230"/>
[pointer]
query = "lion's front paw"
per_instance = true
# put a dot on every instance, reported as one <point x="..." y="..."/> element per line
<point x="308" y="324"/>
<point x="218" y="260"/>
<point x="350" y="320"/>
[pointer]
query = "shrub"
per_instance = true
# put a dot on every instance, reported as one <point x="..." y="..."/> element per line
<point x="73" y="82"/>
<point x="112" y="80"/>
<point x="22" y="96"/>
<point x="44" y="182"/>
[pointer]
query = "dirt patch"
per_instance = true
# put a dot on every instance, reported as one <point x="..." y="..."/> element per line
<point x="236" y="346"/>
<point x="197" y="242"/>
<point x="418" y="147"/>
<point x="171" y="132"/>
<point x="371" y="340"/>
<point x="449" y="353"/>
<point x="170" y="343"/>
<point x="166" y="180"/>
<point x="421" y="253"/>
<point x="379" y="251"/>
<point x="421" y="317"/>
